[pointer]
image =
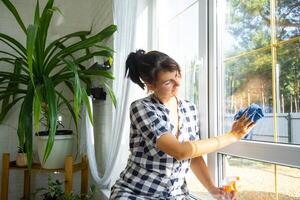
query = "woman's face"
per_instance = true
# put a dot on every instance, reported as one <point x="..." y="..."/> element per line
<point x="167" y="85"/>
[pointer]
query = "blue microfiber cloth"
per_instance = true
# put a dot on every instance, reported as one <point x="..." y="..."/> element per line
<point x="253" y="112"/>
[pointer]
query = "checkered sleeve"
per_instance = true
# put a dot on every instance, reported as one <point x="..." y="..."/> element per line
<point x="195" y="133"/>
<point x="144" y="118"/>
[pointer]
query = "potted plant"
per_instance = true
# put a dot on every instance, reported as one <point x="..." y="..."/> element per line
<point x="54" y="192"/>
<point x="21" y="159"/>
<point x="63" y="144"/>
<point x="41" y="66"/>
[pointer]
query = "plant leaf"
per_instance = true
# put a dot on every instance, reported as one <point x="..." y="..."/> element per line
<point x="14" y="44"/>
<point x="89" y="42"/>
<point x="104" y="53"/>
<point x="54" y="45"/>
<point x="97" y="72"/>
<point x="37" y="109"/>
<point x="86" y="101"/>
<point x="111" y="94"/>
<point x="37" y="13"/>
<point x="31" y="38"/>
<point x="45" y="18"/>
<point x="12" y="84"/>
<point x="77" y="88"/>
<point x="25" y="123"/>
<point x="52" y="115"/>
<point x="14" y="11"/>
<point x="5" y="109"/>
<point x="70" y="109"/>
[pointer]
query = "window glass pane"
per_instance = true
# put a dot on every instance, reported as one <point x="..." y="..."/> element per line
<point x="260" y="56"/>
<point x="257" y="179"/>
<point x="179" y="37"/>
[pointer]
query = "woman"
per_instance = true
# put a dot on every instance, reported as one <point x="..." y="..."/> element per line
<point x="163" y="135"/>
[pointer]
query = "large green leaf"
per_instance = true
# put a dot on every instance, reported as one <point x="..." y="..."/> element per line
<point x="9" y="54"/>
<point x="22" y="78"/>
<point x="77" y="88"/>
<point x="86" y="101"/>
<point x="86" y="57"/>
<point x="25" y="123"/>
<point x="14" y="91"/>
<point x="31" y="39"/>
<point x="111" y="94"/>
<point x="56" y="43"/>
<point x="7" y="60"/>
<point x="14" y="11"/>
<point x="89" y="42"/>
<point x="37" y="108"/>
<point x="39" y="48"/>
<point x="5" y="109"/>
<point x="14" y="44"/>
<point x="37" y="13"/>
<point x="98" y="72"/>
<point x="52" y="115"/>
<point x="13" y="84"/>
<point x="46" y="18"/>
<point x="67" y="103"/>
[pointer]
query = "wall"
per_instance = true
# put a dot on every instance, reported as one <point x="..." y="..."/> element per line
<point x="77" y="15"/>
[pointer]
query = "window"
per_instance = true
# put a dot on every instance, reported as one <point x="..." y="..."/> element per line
<point x="260" y="54"/>
<point x="180" y="27"/>
<point x="257" y="179"/>
<point x="252" y="51"/>
<point x="259" y="61"/>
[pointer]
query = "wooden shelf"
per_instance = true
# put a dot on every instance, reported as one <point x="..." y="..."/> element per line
<point x="68" y="171"/>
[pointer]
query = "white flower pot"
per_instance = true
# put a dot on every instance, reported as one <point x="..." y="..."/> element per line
<point x="63" y="146"/>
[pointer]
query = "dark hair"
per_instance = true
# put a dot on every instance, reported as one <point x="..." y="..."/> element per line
<point x="143" y="67"/>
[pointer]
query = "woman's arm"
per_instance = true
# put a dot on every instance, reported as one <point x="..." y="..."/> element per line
<point x="200" y="170"/>
<point x="169" y="144"/>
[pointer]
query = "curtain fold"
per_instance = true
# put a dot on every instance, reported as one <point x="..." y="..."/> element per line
<point x="124" y="12"/>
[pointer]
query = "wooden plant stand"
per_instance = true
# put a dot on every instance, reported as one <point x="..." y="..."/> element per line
<point x="68" y="171"/>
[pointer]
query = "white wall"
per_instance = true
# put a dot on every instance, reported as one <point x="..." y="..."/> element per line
<point x="77" y="15"/>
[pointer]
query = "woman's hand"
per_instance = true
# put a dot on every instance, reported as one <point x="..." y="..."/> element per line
<point x="241" y="127"/>
<point x="217" y="193"/>
<point x="220" y="194"/>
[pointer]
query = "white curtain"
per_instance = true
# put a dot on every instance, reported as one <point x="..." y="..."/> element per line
<point x="125" y="19"/>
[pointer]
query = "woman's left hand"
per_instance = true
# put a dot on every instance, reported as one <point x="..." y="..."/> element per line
<point x="233" y="195"/>
<point x="219" y="193"/>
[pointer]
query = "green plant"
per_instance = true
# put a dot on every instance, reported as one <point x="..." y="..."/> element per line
<point x="54" y="192"/>
<point x="22" y="149"/>
<point x="39" y="67"/>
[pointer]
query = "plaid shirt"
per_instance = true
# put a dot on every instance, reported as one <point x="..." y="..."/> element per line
<point x="151" y="173"/>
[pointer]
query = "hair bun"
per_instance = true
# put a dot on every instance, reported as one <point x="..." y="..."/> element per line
<point x="140" y="52"/>
<point x="132" y="67"/>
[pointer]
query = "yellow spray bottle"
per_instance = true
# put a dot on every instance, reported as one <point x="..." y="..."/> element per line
<point x="229" y="185"/>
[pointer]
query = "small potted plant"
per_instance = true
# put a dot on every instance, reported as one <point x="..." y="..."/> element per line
<point x="54" y="192"/>
<point x="21" y="159"/>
